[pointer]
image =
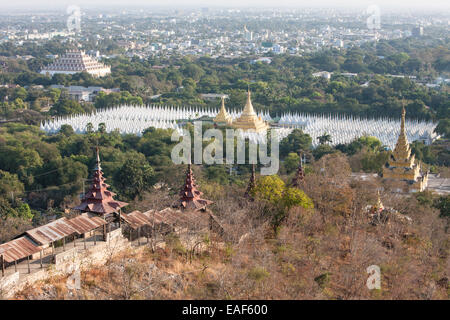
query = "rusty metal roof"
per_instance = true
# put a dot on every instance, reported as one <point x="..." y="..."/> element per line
<point x="83" y="223"/>
<point x="137" y="219"/>
<point x="51" y="232"/>
<point x="18" y="249"/>
<point x="168" y="216"/>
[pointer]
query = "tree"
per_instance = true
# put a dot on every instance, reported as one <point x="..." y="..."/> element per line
<point x="10" y="183"/>
<point x="6" y="210"/>
<point x="24" y="212"/>
<point x="66" y="130"/>
<point x="89" y="128"/>
<point x="443" y="204"/>
<point x="291" y="162"/>
<point x="280" y="199"/>
<point x="322" y="150"/>
<point x="294" y="142"/>
<point x="134" y="177"/>
<point x="325" y="138"/>
<point x="65" y="106"/>
<point x="102" y="127"/>
<point x="443" y="127"/>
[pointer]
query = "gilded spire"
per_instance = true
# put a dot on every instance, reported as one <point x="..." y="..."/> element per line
<point x="401" y="165"/>
<point x="248" y="120"/>
<point x="223" y="117"/>
<point x="248" y="109"/>
<point x="402" y="150"/>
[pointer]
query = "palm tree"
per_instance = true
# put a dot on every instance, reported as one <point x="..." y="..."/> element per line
<point x="324" y="138"/>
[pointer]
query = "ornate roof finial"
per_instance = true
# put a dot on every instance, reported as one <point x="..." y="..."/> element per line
<point x="299" y="177"/>
<point x="251" y="183"/>
<point x="98" y="166"/>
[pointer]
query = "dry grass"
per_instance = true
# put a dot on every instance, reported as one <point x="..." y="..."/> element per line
<point x="318" y="254"/>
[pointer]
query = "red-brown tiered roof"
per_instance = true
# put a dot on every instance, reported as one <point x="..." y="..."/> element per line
<point x="190" y="196"/>
<point x="251" y="183"/>
<point x="299" y="175"/>
<point x="99" y="199"/>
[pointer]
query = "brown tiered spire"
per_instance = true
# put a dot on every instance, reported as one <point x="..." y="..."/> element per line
<point x="299" y="177"/>
<point x="99" y="199"/>
<point x="190" y="196"/>
<point x="251" y="183"/>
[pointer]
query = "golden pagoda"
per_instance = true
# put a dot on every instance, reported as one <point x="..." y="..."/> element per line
<point x="223" y="118"/>
<point x="401" y="165"/>
<point x="249" y="120"/>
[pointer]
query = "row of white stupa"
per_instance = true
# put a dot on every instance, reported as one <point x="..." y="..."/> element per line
<point x="343" y="129"/>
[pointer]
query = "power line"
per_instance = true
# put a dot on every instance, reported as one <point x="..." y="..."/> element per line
<point x="51" y="187"/>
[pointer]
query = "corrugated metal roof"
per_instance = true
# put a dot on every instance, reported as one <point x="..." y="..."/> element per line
<point x="18" y="249"/>
<point x="51" y="232"/>
<point x="168" y="216"/>
<point x="83" y="223"/>
<point x="137" y="219"/>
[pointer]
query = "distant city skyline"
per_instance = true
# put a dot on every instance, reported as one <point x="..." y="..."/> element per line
<point x="407" y="4"/>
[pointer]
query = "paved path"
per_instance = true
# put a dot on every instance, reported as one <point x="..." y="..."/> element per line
<point x="439" y="185"/>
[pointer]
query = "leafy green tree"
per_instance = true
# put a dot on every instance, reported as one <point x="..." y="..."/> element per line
<point x="218" y="173"/>
<point x="294" y="142"/>
<point x="443" y="204"/>
<point x="66" y="130"/>
<point x="24" y="212"/>
<point x="443" y="127"/>
<point x="325" y="138"/>
<point x="6" y="210"/>
<point x="66" y="106"/>
<point x="10" y="183"/>
<point x="102" y="127"/>
<point x="89" y="128"/>
<point x="134" y="177"/>
<point x="322" y="150"/>
<point x="280" y="199"/>
<point x="12" y="158"/>
<point x="291" y="162"/>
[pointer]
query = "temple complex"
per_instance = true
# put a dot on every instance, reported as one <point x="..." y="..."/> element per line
<point x="249" y="121"/>
<point x="223" y="118"/>
<point x="401" y="166"/>
<point x="99" y="200"/>
<point x="190" y="197"/>
<point x="75" y="61"/>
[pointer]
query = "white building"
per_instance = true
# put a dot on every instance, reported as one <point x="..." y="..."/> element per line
<point x="74" y="62"/>
<point x="323" y="74"/>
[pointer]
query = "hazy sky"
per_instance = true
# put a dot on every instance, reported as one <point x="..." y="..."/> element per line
<point x="439" y="4"/>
